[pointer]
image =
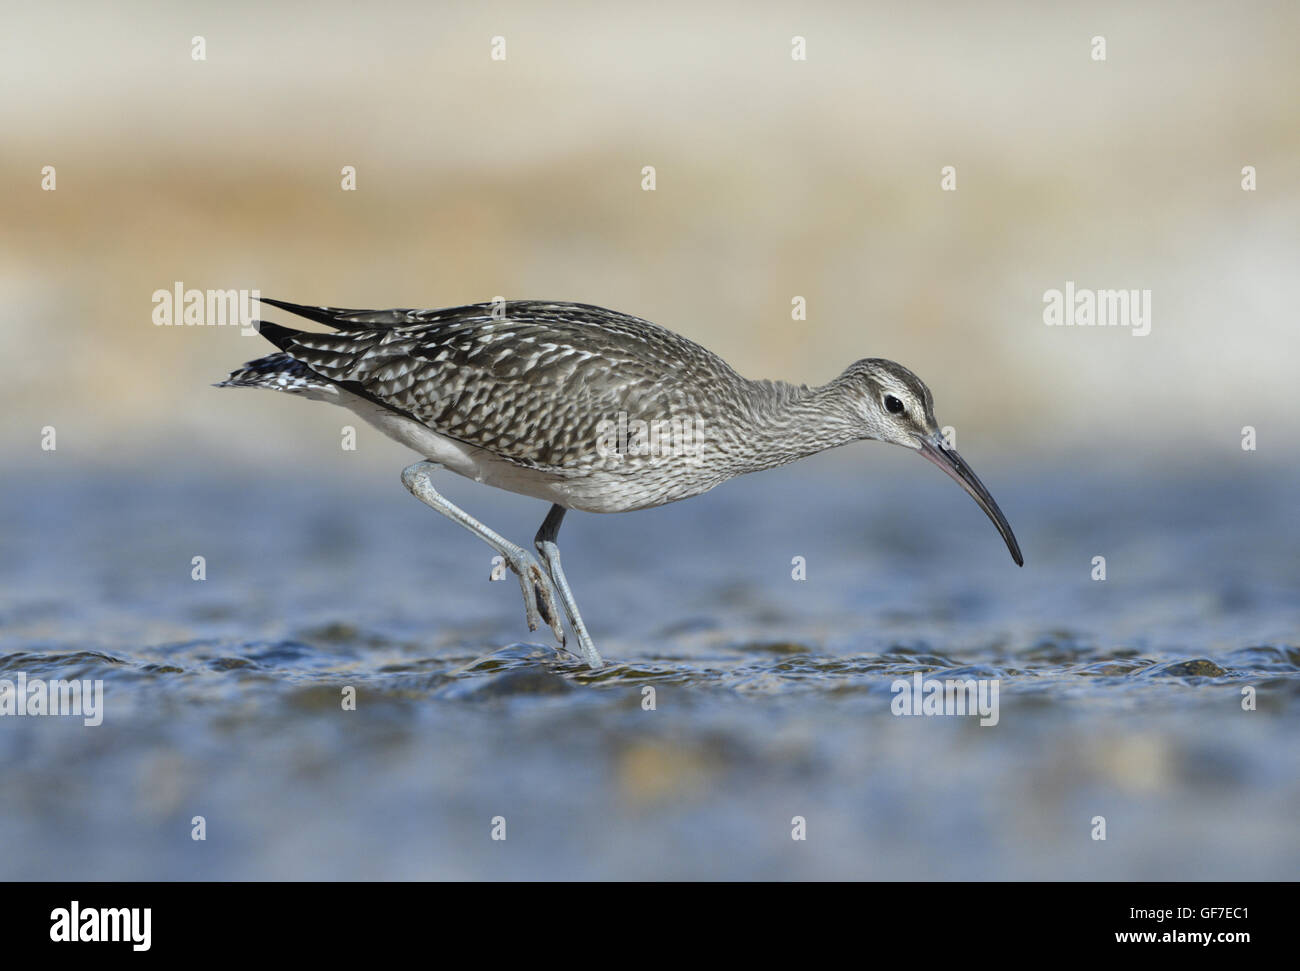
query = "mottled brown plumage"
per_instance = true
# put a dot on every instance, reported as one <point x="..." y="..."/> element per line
<point x="531" y="384"/>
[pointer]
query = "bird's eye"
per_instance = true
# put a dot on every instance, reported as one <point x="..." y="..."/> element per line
<point x="893" y="405"/>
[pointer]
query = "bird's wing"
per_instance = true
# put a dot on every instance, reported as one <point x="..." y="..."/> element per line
<point x="531" y="382"/>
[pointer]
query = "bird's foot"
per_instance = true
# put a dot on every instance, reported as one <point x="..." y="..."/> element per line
<point x="586" y="647"/>
<point x="539" y="594"/>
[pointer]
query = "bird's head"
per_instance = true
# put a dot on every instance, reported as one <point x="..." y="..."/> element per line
<point x="895" y="406"/>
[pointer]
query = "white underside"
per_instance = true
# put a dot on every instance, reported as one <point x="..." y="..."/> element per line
<point x="467" y="460"/>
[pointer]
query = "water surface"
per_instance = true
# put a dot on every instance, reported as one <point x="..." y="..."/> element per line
<point x="1120" y="699"/>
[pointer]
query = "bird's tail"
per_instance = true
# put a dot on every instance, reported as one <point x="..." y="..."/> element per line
<point x="280" y="372"/>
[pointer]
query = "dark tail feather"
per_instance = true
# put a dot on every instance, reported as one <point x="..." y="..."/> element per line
<point x="322" y="315"/>
<point x="280" y="336"/>
<point x="341" y="319"/>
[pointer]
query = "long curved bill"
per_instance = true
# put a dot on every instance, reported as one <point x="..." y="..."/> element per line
<point x="956" y="468"/>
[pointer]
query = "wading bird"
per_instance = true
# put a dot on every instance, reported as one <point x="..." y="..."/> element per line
<point x="584" y="408"/>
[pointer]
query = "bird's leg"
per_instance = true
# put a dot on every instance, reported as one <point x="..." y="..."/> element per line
<point x="539" y="597"/>
<point x="545" y="543"/>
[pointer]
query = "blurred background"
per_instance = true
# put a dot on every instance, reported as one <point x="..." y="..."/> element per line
<point x="775" y="178"/>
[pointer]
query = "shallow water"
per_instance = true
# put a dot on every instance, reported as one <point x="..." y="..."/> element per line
<point x="1120" y="698"/>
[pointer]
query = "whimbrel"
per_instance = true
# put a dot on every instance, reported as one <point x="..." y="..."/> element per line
<point x="585" y="408"/>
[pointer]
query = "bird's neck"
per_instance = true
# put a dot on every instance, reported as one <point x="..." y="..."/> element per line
<point x="788" y="422"/>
